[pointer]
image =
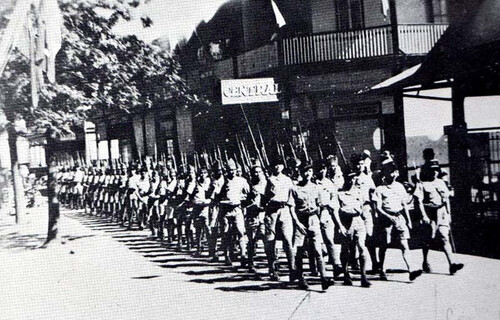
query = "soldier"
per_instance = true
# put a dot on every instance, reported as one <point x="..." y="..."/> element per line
<point x="353" y="230"/>
<point x="364" y="182"/>
<point x="307" y="221"/>
<point x="329" y="206"/>
<point x="122" y="196"/>
<point x="78" y="178"/>
<point x="132" y="195"/>
<point x="432" y="196"/>
<point x="334" y="172"/>
<point x="143" y="190"/>
<point x="201" y="207"/>
<point x="185" y="208"/>
<point x="167" y="192"/>
<point x="255" y="213"/>
<point x="153" y="206"/>
<point x="391" y="201"/>
<point x="87" y="192"/>
<point x="279" y="217"/>
<point x="218" y="182"/>
<point x="234" y="192"/>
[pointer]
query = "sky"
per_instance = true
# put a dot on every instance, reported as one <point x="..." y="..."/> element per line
<point x="175" y="19"/>
<point x="427" y="117"/>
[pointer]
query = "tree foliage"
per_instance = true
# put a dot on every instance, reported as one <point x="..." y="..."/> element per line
<point x="96" y="70"/>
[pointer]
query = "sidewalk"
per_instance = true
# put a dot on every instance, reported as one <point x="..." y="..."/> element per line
<point x="106" y="272"/>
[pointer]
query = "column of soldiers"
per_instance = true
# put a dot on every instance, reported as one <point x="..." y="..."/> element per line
<point x="309" y="207"/>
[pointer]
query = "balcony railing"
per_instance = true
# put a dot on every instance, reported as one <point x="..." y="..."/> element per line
<point x="413" y="39"/>
<point x="337" y="46"/>
<point x="419" y="39"/>
<point x="372" y="42"/>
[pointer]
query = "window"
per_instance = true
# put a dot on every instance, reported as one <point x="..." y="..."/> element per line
<point x="439" y="11"/>
<point x="350" y="14"/>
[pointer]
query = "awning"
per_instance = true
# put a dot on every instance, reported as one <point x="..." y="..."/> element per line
<point x="397" y="79"/>
<point x="468" y="49"/>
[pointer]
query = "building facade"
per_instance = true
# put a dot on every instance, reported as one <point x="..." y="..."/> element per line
<point x="322" y="58"/>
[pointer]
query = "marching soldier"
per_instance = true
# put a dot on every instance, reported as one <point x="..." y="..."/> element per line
<point x="255" y="213"/>
<point x="307" y="222"/>
<point x="218" y="182"/>
<point x="432" y="196"/>
<point x="329" y="206"/>
<point x="353" y="231"/>
<point x="363" y="181"/>
<point x="391" y="202"/>
<point x="278" y="203"/>
<point x="234" y="192"/>
<point x="201" y="208"/>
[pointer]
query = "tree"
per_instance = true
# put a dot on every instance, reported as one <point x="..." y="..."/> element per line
<point x="96" y="70"/>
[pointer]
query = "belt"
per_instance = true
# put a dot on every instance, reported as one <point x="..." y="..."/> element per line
<point x="277" y="204"/>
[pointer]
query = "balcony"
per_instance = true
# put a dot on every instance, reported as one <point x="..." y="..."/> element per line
<point x="413" y="39"/>
<point x="357" y="44"/>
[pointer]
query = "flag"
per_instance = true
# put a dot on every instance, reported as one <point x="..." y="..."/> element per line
<point x="50" y="26"/>
<point x="13" y="31"/>
<point x="277" y="14"/>
<point x="385" y="8"/>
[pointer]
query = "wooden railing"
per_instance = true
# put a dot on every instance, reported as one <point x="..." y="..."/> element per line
<point x="413" y="39"/>
<point x="337" y="46"/>
<point x="419" y="38"/>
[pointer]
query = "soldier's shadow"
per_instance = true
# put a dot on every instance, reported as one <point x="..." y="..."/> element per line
<point x="266" y="287"/>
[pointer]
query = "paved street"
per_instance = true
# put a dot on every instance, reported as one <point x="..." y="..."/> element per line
<point x="105" y="272"/>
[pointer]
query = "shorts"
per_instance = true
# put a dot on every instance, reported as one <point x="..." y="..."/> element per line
<point x="201" y="216"/>
<point x="78" y="189"/>
<point x="355" y="228"/>
<point x="313" y="226"/>
<point x="233" y="217"/>
<point x="368" y="219"/>
<point x="433" y="233"/>
<point x="327" y="224"/>
<point x="279" y="220"/>
<point x="255" y="225"/>
<point x="398" y="231"/>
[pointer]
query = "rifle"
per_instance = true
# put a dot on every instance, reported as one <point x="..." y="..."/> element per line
<point x="341" y="151"/>
<point x="264" y="152"/>
<point x="303" y="143"/>
<point x="320" y="152"/>
<point x="251" y="135"/>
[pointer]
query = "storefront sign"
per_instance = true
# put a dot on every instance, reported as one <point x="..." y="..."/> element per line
<point x="236" y="91"/>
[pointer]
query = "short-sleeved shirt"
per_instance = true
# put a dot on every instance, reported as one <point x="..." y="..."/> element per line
<point x="78" y="177"/>
<point x="432" y="193"/>
<point x="328" y="193"/>
<point x="392" y="197"/>
<point x="364" y="183"/>
<point x="143" y="186"/>
<point x="351" y="202"/>
<point x="279" y="188"/>
<point x="235" y="190"/>
<point x="306" y="198"/>
<point x="200" y="194"/>
<point x="336" y="175"/>
<point x="133" y="181"/>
